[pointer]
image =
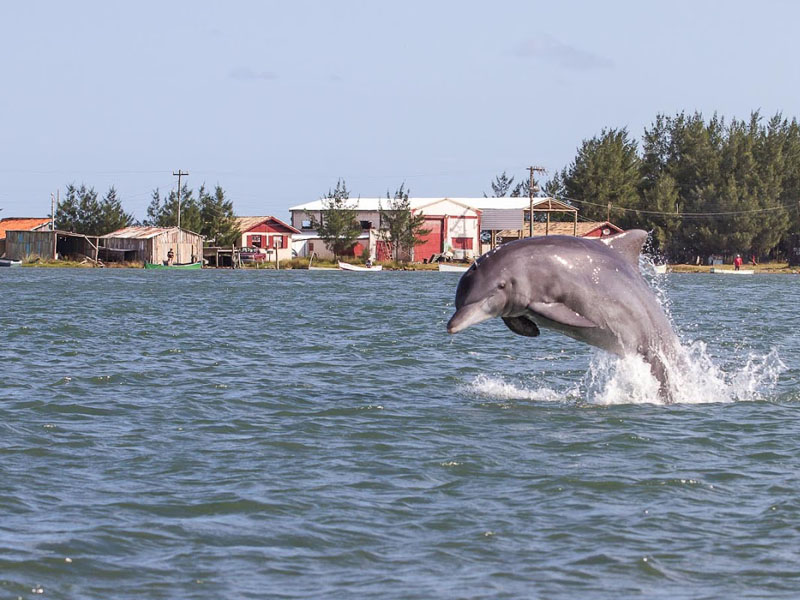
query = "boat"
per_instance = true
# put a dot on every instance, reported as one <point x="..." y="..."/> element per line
<point x="451" y="268"/>
<point x="717" y="271"/>
<point x="10" y="262"/>
<point x="348" y="267"/>
<point x="182" y="266"/>
<point x="660" y="269"/>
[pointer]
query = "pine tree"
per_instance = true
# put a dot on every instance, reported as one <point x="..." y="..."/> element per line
<point x="112" y="215"/>
<point x="67" y="214"/>
<point x="606" y="171"/>
<point x="501" y="185"/>
<point x="154" y="210"/>
<point x="399" y="226"/>
<point x="337" y="227"/>
<point x="164" y="212"/>
<point x="219" y="222"/>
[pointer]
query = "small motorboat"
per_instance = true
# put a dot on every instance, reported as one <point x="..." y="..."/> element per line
<point x="660" y="269"/>
<point x="717" y="271"/>
<point x="10" y="262"/>
<point x="348" y="267"/>
<point x="451" y="268"/>
<point x="182" y="266"/>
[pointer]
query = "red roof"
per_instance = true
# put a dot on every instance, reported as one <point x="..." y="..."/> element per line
<point x="245" y="224"/>
<point x="20" y="224"/>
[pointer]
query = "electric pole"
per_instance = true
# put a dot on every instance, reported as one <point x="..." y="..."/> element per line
<point x="530" y="194"/>
<point x="179" y="174"/>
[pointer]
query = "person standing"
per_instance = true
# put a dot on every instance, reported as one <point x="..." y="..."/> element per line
<point x="737" y="262"/>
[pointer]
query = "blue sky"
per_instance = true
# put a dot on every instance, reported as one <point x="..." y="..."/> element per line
<point x="276" y="100"/>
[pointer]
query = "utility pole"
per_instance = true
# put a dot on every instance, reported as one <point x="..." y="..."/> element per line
<point x="52" y="212"/>
<point x="532" y="169"/>
<point x="179" y="174"/>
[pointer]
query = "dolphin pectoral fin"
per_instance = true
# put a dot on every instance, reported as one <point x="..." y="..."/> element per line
<point x="521" y="326"/>
<point x="561" y="313"/>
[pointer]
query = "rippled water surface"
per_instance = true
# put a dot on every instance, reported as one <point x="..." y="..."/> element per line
<point x="319" y="435"/>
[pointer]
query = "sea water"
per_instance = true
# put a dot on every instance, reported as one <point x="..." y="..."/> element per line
<point x="299" y="434"/>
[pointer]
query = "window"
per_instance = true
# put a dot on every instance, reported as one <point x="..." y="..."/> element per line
<point x="305" y="225"/>
<point x="255" y="240"/>
<point x="462" y="243"/>
<point x="277" y="241"/>
<point x="310" y="246"/>
<point x="366" y="224"/>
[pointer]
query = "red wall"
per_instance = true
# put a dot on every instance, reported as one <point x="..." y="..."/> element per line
<point x="432" y="243"/>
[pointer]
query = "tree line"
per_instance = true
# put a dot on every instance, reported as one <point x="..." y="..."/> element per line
<point x="208" y="213"/>
<point x="700" y="186"/>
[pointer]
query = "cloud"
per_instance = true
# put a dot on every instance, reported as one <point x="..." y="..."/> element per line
<point x="549" y="48"/>
<point x="247" y="74"/>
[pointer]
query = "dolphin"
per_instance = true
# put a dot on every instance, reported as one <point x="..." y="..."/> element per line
<point x="589" y="289"/>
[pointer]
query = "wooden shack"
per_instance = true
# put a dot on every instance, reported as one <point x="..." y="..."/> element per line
<point x="21" y="245"/>
<point x="151" y="244"/>
<point x="21" y="224"/>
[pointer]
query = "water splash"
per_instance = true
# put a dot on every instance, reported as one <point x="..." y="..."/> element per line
<point x="693" y="376"/>
<point x="610" y="380"/>
<point x="496" y="388"/>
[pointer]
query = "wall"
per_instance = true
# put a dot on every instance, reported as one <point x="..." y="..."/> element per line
<point x="184" y="244"/>
<point x="21" y="244"/>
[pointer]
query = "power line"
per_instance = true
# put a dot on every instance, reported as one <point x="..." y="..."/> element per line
<point x="685" y="214"/>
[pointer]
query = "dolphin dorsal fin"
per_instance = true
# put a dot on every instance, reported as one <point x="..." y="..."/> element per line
<point x="628" y="243"/>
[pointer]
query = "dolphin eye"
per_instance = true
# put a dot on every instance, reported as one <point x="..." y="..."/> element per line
<point x="501" y="285"/>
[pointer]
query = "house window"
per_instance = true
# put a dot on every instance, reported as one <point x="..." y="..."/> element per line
<point x="310" y="246"/>
<point x="366" y="224"/>
<point x="305" y="225"/>
<point x="277" y="241"/>
<point x="255" y="240"/>
<point x="462" y="243"/>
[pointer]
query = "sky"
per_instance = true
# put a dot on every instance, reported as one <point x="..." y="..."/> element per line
<point x="275" y="101"/>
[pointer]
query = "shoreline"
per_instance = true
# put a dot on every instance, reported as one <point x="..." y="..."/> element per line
<point x="763" y="269"/>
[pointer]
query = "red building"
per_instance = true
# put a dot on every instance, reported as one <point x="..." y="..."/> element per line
<point x="268" y="233"/>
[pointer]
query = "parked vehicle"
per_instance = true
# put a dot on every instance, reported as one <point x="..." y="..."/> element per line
<point x="252" y="254"/>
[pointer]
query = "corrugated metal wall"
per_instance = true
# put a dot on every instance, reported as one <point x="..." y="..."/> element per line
<point x="495" y="219"/>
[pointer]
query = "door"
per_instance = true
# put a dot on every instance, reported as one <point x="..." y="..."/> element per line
<point x="432" y="241"/>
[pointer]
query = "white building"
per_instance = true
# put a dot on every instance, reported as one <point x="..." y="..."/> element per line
<point x="453" y="226"/>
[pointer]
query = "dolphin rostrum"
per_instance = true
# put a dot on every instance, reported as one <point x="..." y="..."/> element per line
<point x="588" y="289"/>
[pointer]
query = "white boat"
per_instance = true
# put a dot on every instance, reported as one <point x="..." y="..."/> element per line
<point x="451" y="268"/>
<point x="348" y="267"/>
<point x="731" y="271"/>
<point x="10" y="262"/>
<point x="660" y="269"/>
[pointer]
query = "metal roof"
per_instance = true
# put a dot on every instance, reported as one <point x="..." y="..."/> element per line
<point x="21" y="224"/>
<point x="372" y="204"/>
<point x="142" y="233"/>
